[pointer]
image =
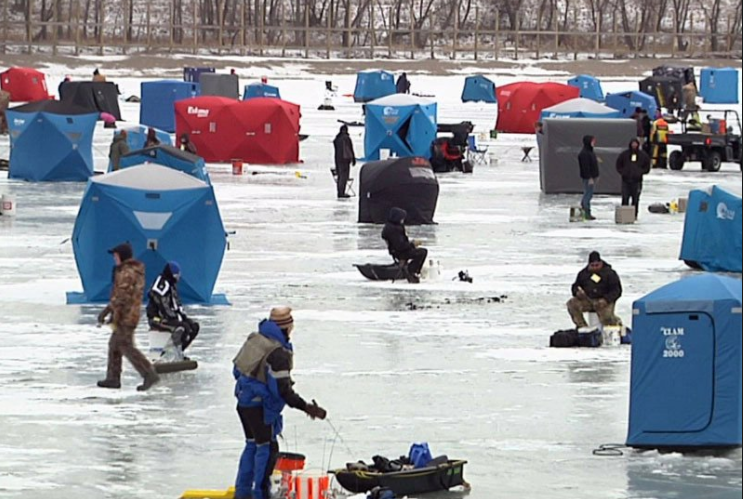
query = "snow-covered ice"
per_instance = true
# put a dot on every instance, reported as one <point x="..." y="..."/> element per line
<point x="474" y="379"/>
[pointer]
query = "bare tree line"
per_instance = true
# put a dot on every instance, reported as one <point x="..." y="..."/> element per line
<point x="358" y="23"/>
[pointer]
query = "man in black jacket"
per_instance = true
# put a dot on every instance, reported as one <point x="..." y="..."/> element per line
<point x="596" y="289"/>
<point x="633" y="164"/>
<point x="589" y="173"/>
<point x="345" y="156"/>
<point x="165" y="310"/>
<point x="400" y="247"/>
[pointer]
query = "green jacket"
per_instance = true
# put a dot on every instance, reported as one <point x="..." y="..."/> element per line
<point x="119" y="148"/>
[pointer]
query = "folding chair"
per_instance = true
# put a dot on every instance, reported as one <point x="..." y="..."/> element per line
<point x="349" y="184"/>
<point x="527" y="151"/>
<point x="475" y="154"/>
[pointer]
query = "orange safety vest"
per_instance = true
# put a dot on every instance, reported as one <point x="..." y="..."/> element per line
<point x="660" y="131"/>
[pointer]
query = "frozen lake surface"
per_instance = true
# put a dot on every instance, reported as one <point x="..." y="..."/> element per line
<point x="474" y="379"/>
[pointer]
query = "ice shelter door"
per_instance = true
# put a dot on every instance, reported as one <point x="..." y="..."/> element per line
<point x="682" y="383"/>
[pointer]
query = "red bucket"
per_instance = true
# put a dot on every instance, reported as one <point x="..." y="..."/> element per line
<point x="237" y="167"/>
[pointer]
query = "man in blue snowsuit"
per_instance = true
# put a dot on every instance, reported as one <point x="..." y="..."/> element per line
<point x="264" y="387"/>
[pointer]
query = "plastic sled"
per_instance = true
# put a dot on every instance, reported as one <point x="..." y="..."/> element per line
<point x="408" y="482"/>
<point x="166" y="357"/>
<point x="387" y="272"/>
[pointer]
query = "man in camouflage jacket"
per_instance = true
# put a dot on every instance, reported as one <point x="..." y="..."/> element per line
<point x="124" y="307"/>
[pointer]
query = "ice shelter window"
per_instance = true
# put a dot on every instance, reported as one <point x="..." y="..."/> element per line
<point x="213" y="127"/>
<point x="74" y="136"/>
<point x="70" y="121"/>
<point x="152" y="195"/>
<point x="703" y="207"/>
<point x="267" y="128"/>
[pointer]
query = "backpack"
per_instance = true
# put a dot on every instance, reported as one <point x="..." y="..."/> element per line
<point x="420" y="455"/>
<point x="381" y="493"/>
<point x="594" y="339"/>
<point x="564" y="339"/>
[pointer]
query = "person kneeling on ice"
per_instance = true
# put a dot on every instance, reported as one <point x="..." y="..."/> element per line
<point x="401" y="248"/>
<point x="596" y="289"/>
<point x="165" y="310"/>
<point x="264" y="387"/>
<point x="124" y="307"/>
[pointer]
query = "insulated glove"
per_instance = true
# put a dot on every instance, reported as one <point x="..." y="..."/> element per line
<point x="315" y="411"/>
<point x="103" y="315"/>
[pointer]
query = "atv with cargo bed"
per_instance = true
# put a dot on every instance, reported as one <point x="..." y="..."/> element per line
<point x="715" y="144"/>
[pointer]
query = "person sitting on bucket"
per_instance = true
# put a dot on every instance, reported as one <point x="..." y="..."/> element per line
<point x="597" y="289"/>
<point x="165" y="310"/>
<point x="264" y="387"/>
<point x="185" y="144"/>
<point x="401" y="248"/>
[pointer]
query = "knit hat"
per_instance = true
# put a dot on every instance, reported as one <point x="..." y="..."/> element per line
<point x="282" y="316"/>
<point x="175" y="269"/>
<point x="594" y="257"/>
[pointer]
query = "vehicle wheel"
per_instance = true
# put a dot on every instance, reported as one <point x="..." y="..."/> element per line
<point x="676" y="161"/>
<point x="713" y="162"/>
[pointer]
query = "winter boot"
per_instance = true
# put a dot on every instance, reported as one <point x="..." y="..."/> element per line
<point x="109" y="383"/>
<point x="149" y="380"/>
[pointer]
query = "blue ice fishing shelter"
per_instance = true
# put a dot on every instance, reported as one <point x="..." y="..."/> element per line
<point x="165" y="215"/>
<point x="590" y="87"/>
<point x="685" y="391"/>
<point x="627" y="102"/>
<point x="713" y="231"/>
<point x="372" y="85"/>
<point x="580" y="108"/>
<point x="404" y="124"/>
<point x="136" y="137"/>
<point x="720" y="85"/>
<point x="169" y="156"/>
<point x="51" y="141"/>
<point x="261" y="90"/>
<point x="479" y="89"/>
<point x="158" y="100"/>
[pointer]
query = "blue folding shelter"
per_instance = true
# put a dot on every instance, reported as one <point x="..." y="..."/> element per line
<point x="261" y="90"/>
<point x="627" y="102"/>
<point x="590" y="87"/>
<point x="479" y="89"/>
<point x="51" y="141"/>
<point x="136" y="137"/>
<point x="713" y="231"/>
<point x="686" y="366"/>
<point x="158" y="101"/>
<point x="403" y="124"/>
<point x="165" y="215"/>
<point x="371" y="85"/>
<point x="167" y="156"/>
<point x="720" y="85"/>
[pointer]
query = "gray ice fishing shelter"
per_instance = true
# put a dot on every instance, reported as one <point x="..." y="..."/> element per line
<point x="220" y="85"/>
<point x="559" y="172"/>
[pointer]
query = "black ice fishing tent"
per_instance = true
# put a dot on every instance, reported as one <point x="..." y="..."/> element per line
<point x="100" y="97"/>
<point x="407" y="183"/>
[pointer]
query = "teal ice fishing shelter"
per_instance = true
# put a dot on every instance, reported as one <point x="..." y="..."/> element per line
<point x="627" y="102"/>
<point x="479" y="89"/>
<point x="590" y="87"/>
<point x="261" y="90"/>
<point x="371" y="85"/>
<point x="165" y="215"/>
<point x="169" y="156"/>
<point x="713" y="231"/>
<point x="720" y="85"/>
<point x="51" y="141"/>
<point x="158" y="101"/>
<point x="580" y="108"/>
<point x="685" y="391"/>
<point x="402" y="124"/>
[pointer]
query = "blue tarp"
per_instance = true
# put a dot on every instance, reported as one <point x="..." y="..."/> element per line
<point x="590" y="87"/>
<point x="720" y="85"/>
<point x="479" y="89"/>
<point x="580" y="108"/>
<point x="627" y="102"/>
<point x="403" y="124"/>
<point x="167" y="156"/>
<point x="261" y="90"/>
<point x="165" y="214"/>
<point x="713" y="231"/>
<point x="372" y="85"/>
<point x="158" y="100"/>
<point x="51" y="141"/>
<point x="686" y="366"/>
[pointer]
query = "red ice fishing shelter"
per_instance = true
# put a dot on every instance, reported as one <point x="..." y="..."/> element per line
<point x="261" y="130"/>
<point x="24" y="84"/>
<point x="520" y="105"/>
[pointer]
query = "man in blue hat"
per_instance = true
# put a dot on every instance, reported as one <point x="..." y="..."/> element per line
<point x="165" y="309"/>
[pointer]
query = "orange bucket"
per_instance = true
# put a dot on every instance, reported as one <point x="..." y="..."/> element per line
<point x="288" y="462"/>
<point x="237" y="167"/>
<point x="310" y="487"/>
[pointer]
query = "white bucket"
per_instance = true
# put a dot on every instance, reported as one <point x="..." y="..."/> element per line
<point x="612" y="336"/>
<point x="593" y="320"/>
<point x="158" y="342"/>
<point x="7" y="205"/>
<point x="384" y="154"/>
